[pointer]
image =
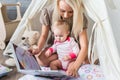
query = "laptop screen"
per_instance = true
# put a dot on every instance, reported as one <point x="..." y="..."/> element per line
<point x="27" y="64"/>
<point x="24" y="59"/>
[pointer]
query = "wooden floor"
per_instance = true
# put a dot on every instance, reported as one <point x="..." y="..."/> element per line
<point x="13" y="75"/>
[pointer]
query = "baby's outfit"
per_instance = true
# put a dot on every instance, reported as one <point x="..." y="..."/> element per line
<point x="66" y="48"/>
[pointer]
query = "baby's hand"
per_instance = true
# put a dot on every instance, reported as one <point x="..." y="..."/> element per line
<point x="47" y="53"/>
<point x="66" y="58"/>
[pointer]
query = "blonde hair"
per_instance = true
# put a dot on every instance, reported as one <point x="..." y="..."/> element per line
<point x="61" y="25"/>
<point x="78" y="8"/>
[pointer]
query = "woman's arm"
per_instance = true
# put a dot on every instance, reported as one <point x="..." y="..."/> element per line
<point x="84" y="49"/>
<point x="73" y="69"/>
<point x="42" y="39"/>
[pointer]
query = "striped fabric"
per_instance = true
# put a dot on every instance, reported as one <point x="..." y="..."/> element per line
<point x="65" y="48"/>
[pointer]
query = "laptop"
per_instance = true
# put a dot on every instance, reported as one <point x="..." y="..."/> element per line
<point x="27" y="64"/>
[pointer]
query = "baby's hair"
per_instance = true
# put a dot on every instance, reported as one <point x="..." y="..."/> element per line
<point x="61" y="24"/>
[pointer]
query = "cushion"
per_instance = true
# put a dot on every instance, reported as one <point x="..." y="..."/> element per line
<point x="91" y="72"/>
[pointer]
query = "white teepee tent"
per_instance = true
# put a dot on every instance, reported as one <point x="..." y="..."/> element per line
<point x="105" y="14"/>
<point x="104" y="40"/>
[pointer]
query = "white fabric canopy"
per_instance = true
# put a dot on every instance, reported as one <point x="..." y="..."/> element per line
<point x="104" y="40"/>
<point x="2" y="36"/>
<point x="106" y="15"/>
<point x="2" y="33"/>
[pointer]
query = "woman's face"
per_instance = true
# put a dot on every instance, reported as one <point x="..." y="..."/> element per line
<point x="65" y="10"/>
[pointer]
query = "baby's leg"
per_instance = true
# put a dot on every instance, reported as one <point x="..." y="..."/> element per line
<point x="55" y="65"/>
<point x="43" y="60"/>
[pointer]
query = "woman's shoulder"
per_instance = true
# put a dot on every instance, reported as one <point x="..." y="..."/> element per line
<point x="48" y="9"/>
<point x="46" y="15"/>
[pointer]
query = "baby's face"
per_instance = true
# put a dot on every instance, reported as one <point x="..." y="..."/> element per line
<point x="60" y="36"/>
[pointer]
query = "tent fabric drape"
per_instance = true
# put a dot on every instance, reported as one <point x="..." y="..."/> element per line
<point x="2" y="35"/>
<point x="104" y="41"/>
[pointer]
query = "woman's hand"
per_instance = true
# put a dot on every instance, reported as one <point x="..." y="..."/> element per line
<point x="34" y="49"/>
<point x="72" y="70"/>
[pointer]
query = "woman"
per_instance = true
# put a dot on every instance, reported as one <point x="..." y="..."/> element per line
<point x="73" y="12"/>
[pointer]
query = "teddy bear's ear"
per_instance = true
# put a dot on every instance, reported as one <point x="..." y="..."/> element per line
<point x="26" y="33"/>
<point x="37" y="34"/>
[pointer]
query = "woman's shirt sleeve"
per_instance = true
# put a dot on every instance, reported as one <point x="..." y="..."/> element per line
<point x="85" y="22"/>
<point x="44" y="17"/>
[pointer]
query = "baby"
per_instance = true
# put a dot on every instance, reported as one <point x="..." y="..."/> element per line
<point x="65" y="46"/>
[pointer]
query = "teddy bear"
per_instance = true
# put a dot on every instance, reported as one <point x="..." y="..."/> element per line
<point x="28" y="39"/>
